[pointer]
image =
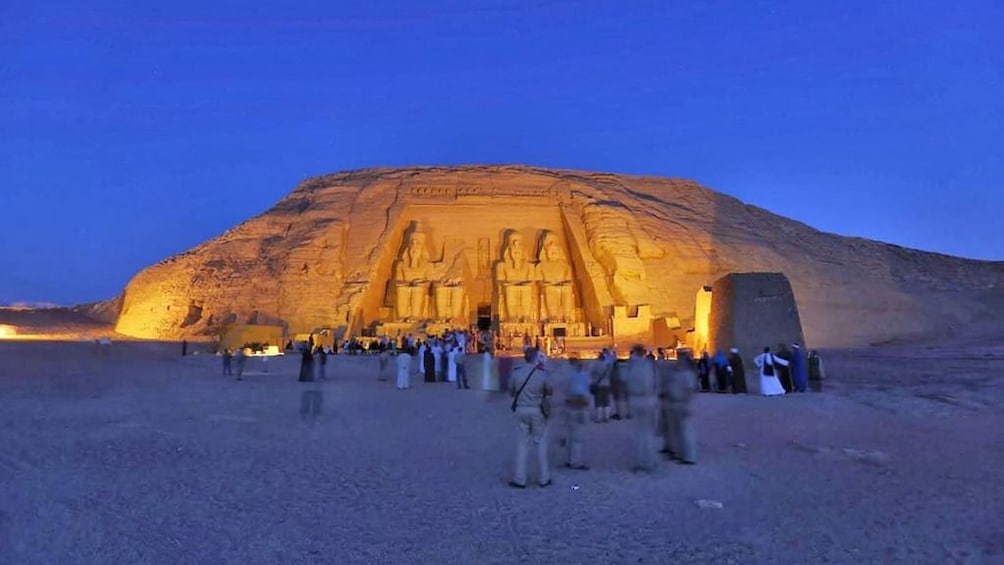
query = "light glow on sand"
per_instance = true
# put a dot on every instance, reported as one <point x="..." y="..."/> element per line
<point x="7" y="332"/>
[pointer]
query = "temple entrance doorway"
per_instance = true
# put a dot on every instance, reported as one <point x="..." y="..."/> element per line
<point x="485" y="316"/>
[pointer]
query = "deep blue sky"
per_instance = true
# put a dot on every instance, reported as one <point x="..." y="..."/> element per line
<point x="129" y="133"/>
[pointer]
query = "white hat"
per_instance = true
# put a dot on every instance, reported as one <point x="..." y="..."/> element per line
<point x="734" y="350"/>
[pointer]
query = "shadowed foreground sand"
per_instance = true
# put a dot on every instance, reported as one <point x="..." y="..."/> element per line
<point x="138" y="455"/>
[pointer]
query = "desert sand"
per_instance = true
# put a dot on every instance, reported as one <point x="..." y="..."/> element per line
<point x="134" y="454"/>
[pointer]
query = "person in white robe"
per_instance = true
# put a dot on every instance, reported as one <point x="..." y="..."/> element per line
<point x="437" y="354"/>
<point x="421" y="358"/>
<point x="767" y="364"/>
<point x="486" y="371"/>
<point x="451" y="365"/>
<point x="403" y="369"/>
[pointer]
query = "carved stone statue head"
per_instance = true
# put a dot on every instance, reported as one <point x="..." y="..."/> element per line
<point x="514" y="250"/>
<point x="550" y="250"/>
<point x="417" y="252"/>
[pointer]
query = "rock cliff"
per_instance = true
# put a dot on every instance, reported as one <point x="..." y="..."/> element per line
<point x="314" y="258"/>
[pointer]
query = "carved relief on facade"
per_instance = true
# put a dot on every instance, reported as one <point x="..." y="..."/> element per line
<point x="614" y="245"/>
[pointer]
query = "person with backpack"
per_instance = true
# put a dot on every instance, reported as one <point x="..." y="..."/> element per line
<point x="768" y="363"/>
<point x="530" y="391"/>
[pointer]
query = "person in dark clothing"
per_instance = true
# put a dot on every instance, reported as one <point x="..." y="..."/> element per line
<point x="723" y="372"/>
<point x="799" y="369"/>
<point x="307" y="365"/>
<point x="619" y="390"/>
<point x="784" y="371"/>
<point x="227" y="360"/>
<point x="816" y="372"/>
<point x="184" y="347"/>
<point x="704" y="372"/>
<point x="429" y="362"/>
<point x="322" y="361"/>
<point x="738" y="372"/>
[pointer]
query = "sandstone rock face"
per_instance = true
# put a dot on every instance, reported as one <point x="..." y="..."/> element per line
<point x="324" y="256"/>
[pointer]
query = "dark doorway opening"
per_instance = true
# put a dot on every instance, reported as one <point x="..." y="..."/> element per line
<point x="484" y="317"/>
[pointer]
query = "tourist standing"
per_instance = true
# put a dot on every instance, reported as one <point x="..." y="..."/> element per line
<point x="704" y="372"/>
<point x="428" y="361"/>
<point x="459" y="360"/>
<point x="783" y="372"/>
<point x="421" y="360"/>
<point x="576" y="413"/>
<point x="799" y="369"/>
<point x="767" y="363"/>
<point x="451" y="365"/>
<point x="241" y="359"/>
<point x="600" y="388"/>
<point x="383" y="359"/>
<point x="437" y="354"/>
<point x="227" y="359"/>
<point x="184" y="347"/>
<point x="619" y="388"/>
<point x="487" y="362"/>
<point x="738" y="372"/>
<point x="816" y="372"/>
<point x="403" y="369"/>
<point x="307" y="364"/>
<point x="322" y="361"/>
<point x="722" y="369"/>
<point x="676" y="391"/>
<point x="640" y="385"/>
<point x="530" y="392"/>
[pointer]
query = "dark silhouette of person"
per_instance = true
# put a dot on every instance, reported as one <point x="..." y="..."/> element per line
<point x="307" y="365"/>
<point x="738" y="372"/>
<point x="429" y="361"/>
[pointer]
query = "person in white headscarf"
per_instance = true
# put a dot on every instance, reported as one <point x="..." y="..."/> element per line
<point x="403" y="369"/>
<point x="437" y="353"/>
<point x="421" y="359"/>
<point x="451" y="364"/>
<point x="767" y="363"/>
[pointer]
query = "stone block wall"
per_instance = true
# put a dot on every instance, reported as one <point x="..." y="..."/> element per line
<point x="751" y="311"/>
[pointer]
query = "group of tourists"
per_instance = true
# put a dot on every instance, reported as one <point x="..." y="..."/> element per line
<point x="722" y="373"/>
<point x="649" y="389"/>
<point x="653" y="392"/>
<point x="440" y="359"/>
<point x="789" y="370"/>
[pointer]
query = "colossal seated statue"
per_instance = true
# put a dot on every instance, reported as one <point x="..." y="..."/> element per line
<point x="451" y="296"/>
<point x="555" y="276"/>
<point x="515" y="277"/>
<point x="412" y="277"/>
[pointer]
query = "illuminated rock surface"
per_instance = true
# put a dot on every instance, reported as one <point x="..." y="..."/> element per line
<point x="325" y="256"/>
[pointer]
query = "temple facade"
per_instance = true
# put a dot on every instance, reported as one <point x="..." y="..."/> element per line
<point x="523" y="268"/>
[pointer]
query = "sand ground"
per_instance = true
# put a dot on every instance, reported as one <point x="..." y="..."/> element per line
<point x="136" y="455"/>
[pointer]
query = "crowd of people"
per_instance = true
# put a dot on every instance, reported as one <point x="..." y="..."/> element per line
<point x="649" y="388"/>
<point x="653" y="392"/>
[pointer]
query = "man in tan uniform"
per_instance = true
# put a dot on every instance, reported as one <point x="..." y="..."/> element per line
<point x="530" y="390"/>
<point x="644" y="404"/>
<point x="676" y="390"/>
